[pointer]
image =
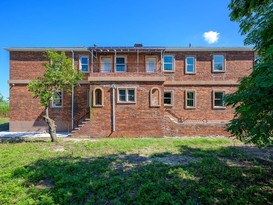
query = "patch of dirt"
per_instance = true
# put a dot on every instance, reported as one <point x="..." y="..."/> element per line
<point x="44" y="184"/>
<point x="175" y="160"/>
<point x="236" y="163"/>
<point x="127" y="162"/>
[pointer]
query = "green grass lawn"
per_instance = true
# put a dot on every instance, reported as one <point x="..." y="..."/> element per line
<point x="4" y="123"/>
<point x="132" y="171"/>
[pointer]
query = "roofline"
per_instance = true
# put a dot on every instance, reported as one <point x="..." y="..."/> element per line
<point x="210" y="49"/>
<point x="166" y="49"/>
<point x="46" y="48"/>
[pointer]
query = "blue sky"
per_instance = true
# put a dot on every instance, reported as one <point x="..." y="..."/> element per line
<point x="32" y="23"/>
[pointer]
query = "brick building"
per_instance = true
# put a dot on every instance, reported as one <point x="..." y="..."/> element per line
<point x="133" y="91"/>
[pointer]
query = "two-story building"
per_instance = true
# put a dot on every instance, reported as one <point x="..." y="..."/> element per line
<point x="133" y="91"/>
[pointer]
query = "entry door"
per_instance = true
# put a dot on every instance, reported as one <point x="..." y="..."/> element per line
<point x="150" y="65"/>
<point x="106" y="64"/>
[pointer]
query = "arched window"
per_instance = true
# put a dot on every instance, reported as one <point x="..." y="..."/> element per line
<point x="98" y="97"/>
<point x="155" y="97"/>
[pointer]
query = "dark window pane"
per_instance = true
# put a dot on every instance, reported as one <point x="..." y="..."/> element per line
<point x="84" y="60"/>
<point x="98" y="96"/>
<point x="168" y="66"/>
<point x="84" y="67"/>
<point x="120" y="60"/>
<point x="131" y="95"/>
<point x="168" y="59"/>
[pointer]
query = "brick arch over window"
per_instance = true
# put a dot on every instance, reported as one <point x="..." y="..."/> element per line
<point x="155" y="97"/>
<point x="98" y="97"/>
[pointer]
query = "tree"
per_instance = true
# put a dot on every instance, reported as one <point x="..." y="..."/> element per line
<point x="253" y="101"/>
<point x="59" y="75"/>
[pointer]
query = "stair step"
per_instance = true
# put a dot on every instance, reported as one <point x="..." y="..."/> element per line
<point x="87" y="119"/>
<point x="77" y="128"/>
<point x="81" y="125"/>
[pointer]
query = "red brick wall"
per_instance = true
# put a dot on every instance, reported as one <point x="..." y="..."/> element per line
<point x="132" y="120"/>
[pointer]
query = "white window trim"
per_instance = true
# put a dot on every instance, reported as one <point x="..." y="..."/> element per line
<point x="186" y="99"/>
<point x="101" y="64"/>
<point x="213" y="99"/>
<point x="194" y="65"/>
<point x="172" y="98"/>
<point x="156" y="64"/>
<point x="80" y="63"/>
<point x="224" y="64"/>
<point x="126" y="95"/>
<point x="54" y="106"/>
<point x="125" y="64"/>
<point x="173" y="62"/>
<point x="94" y="97"/>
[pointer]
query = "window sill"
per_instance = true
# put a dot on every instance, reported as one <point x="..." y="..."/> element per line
<point x="219" y="108"/>
<point x="190" y="108"/>
<point x="218" y="71"/>
<point x="168" y="71"/>
<point x="190" y="73"/>
<point x="167" y="105"/>
<point x="126" y="102"/>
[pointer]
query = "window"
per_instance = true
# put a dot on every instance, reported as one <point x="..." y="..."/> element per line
<point x="150" y="65"/>
<point x="57" y="100"/>
<point x="218" y="99"/>
<point x="190" y="65"/>
<point x="168" y="63"/>
<point x="168" y="98"/>
<point x="98" y="97"/>
<point x="218" y="63"/>
<point x="84" y="64"/>
<point x="155" y="97"/>
<point x="190" y="99"/>
<point x="106" y="63"/>
<point x="120" y="64"/>
<point x="126" y="95"/>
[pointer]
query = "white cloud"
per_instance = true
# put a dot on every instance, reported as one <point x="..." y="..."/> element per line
<point x="211" y="36"/>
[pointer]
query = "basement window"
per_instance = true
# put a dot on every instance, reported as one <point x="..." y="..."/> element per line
<point x="218" y="99"/>
<point x="190" y="99"/>
<point x="168" y="98"/>
<point x="126" y="95"/>
<point x="84" y="64"/>
<point x="98" y="97"/>
<point x="57" y="100"/>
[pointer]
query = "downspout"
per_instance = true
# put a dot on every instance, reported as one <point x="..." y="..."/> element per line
<point x="72" y="96"/>
<point x="113" y="108"/>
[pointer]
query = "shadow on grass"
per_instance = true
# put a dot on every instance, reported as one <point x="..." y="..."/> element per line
<point x="135" y="179"/>
<point x="13" y="140"/>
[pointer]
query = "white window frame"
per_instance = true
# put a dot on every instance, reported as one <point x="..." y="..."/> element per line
<point x="116" y="64"/>
<point x="186" y="65"/>
<point x="215" y="106"/>
<point x="61" y="97"/>
<point x="172" y="98"/>
<point x="168" y="63"/>
<point x="80" y="63"/>
<point x="186" y="99"/>
<point x="111" y="64"/>
<point x="146" y="63"/>
<point x="224" y="64"/>
<point x="126" y="95"/>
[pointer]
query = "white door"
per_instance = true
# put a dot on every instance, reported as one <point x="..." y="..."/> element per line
<point x="106" y="64"/>
<point x="150" y="65"/>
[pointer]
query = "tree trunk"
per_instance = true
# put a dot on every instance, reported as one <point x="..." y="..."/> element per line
<point x="51" y="126"/>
